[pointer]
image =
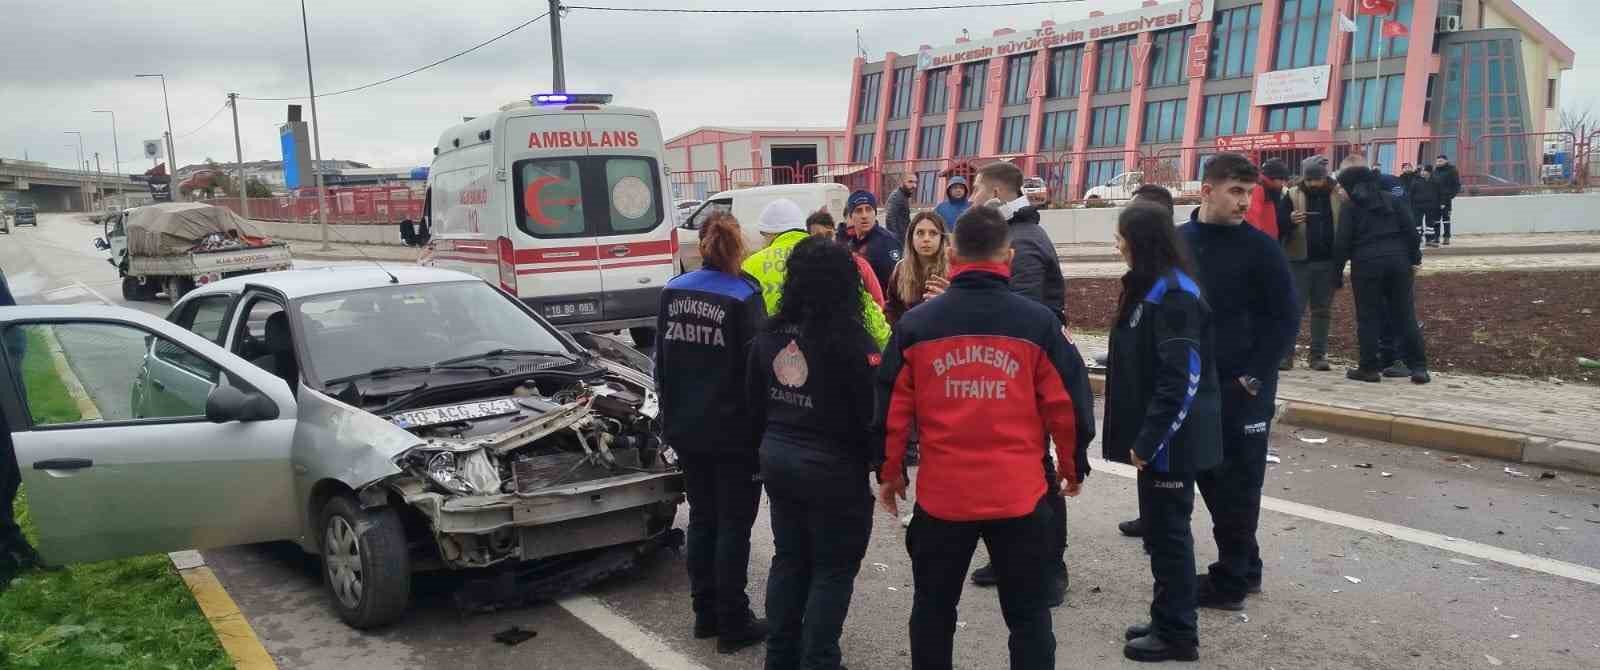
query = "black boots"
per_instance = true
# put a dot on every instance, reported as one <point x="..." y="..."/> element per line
<point x="1420" y="376"/>
<point x="1133" y="528"/>
<point x="1363" y="375"/>
<point x="752" y="632"/>
<point x="984" y="576"/>
<point x="1209" y="597"/>
<point x="1153" y="649"/>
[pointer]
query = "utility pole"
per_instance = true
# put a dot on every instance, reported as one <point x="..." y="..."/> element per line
<point x="99" y="191"/>
<point x="558" y="78"/>
<point x="116" y="155"/>
<point x="238" y="151"/>
<point x="316" y="133"/>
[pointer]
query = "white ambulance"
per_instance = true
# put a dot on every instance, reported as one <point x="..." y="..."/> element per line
<point x="561" y="201"/>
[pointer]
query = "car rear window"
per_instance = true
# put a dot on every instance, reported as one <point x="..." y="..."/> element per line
<point x="587" y="196"/>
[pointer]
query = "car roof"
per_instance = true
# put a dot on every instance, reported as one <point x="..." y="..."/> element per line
<point x="295" y="284"/>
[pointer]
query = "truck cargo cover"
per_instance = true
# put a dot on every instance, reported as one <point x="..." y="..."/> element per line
<point x="175" y="227"/>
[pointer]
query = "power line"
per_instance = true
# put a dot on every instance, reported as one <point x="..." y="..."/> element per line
<point x="207" y="123"/>
<point x="864" y="10"/>
<point x="403" y="75"/>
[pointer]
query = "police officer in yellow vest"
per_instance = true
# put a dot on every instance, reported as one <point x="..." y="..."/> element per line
<point x="783" y="225"/>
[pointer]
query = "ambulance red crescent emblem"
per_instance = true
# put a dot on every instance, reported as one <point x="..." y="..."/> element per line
<point x="790" y="366"/>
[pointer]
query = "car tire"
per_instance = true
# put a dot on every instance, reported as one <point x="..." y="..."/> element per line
<point x="643" y="336"/>
<point x="366" y="565"/>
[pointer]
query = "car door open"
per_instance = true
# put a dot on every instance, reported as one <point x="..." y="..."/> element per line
<point x="108" y="475"/>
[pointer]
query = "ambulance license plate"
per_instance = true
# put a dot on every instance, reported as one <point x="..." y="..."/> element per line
<point x="571" y="310"/>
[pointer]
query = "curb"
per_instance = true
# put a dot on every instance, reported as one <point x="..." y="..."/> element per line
<point x="1481" y="441"/>
<point x="238" y="639"/>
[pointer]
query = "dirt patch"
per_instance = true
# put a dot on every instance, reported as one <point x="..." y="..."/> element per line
<point x="1532" y="324"/>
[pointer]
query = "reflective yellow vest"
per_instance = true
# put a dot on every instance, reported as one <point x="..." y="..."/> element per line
<point x="770" y="265"/>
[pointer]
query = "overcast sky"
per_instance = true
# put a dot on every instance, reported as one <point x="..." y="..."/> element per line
<point x="64" y="58"/>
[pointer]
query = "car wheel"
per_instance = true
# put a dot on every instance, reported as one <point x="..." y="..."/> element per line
<point x="365" y="563"/>
<point x="642" y="336"/>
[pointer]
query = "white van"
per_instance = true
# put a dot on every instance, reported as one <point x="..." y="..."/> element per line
<point x="560" y="201"/>
<point x="746" y="205"/>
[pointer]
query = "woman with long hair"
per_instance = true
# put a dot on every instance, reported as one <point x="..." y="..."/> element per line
<point x="923" y="269"/>
<point x="1163" y="415"/>
<point x="811" y="375"/>
<point x="704" y="325"/>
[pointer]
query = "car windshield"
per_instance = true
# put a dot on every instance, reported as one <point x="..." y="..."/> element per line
<point x="354" y="333"/>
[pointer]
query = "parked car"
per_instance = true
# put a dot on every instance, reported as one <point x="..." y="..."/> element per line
<point x="746" y="204"/>
<point x="1038" y="194"/>
<point x="25" y="215"/>
<point x="390" y="421"/>
<point x="1122" y="186"/>
<point x="685" y="208"/>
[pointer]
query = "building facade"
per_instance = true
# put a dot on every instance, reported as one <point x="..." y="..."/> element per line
<point x="1159" y="87"/>
<point x="709" y="159"/>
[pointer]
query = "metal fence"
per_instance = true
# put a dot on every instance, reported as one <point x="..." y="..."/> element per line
<point x="343" y="208"/>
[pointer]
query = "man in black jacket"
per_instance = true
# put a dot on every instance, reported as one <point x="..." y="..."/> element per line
<point x="1245" y="278"/>
<point x="1378" y="237"/>
<point x="1036" y="274"/>
<point x="897" y="211"/>
<point x="1449" y="181"/>
<point x="865" y="237"/>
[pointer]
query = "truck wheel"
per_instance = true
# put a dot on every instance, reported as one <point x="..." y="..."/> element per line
<point x="365" y="563"/>
<point x="131" y="290"/>
<point x="642" y="337"/>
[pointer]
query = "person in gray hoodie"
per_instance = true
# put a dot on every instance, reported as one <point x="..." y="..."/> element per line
<point x="956" y="202"/>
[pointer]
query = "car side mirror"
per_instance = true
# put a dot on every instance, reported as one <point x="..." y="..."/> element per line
<point x="101" y="244"/>
<point x="227" y="403"/>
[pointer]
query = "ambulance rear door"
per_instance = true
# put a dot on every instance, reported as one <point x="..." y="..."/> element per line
<point x="553" y="220"/>
<point x="634" y="231"/>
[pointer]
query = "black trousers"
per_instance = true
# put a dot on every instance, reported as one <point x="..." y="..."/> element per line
<point x="10" y="482"/>
<point x="1445" y="207"/>
<point x="1428" y="222"/>
<point x="941" y="553"/>
<point x="723" y="499"/>
<point x="1383" y="295"/>
<point x="1058" y="510"/>
<point x="1166" y="502"/>
<point x="1232" y="490"/>
<point x="819" y="548"/>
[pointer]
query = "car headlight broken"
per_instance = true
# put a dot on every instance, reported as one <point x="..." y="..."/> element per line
<point x="467" y="473"/>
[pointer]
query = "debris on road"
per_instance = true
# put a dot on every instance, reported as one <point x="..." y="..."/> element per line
<point x="1514" y="472"/>
<point x="1469" y="466"/>
<point x="1461" y="507"/>
<point x="1547" y="475"/>
<point x="881" y="567"/>
<point x="1094" y="590"/>
<point x="514" y="636"/>
<point x="1588" y="363"/>
<point x="1514" y="636"/>
<point x="1386" y="474"/>
<point x="1558" y="529"/>
<point x="1363" y="466"/>
<point x="1313" y="440"/>
<point x="1244" y="618"/>
<point x="1273" y="458"/>
<point x="1493" y="661"/>
<point x="1352" y="580"/>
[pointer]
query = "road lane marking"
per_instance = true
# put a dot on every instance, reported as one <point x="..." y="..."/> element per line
<point x="1549" y="566"/>
<point x="92" y="292"/>
<point x="649" y="649"/>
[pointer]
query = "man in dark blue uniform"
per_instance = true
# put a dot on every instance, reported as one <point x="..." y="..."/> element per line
<point x="1245" y="278"/>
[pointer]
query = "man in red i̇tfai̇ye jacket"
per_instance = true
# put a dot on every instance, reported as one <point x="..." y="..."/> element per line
<point x="979" y="370"/>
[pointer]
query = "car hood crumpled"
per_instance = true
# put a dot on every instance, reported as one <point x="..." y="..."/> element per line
<point x="337" y="441"/>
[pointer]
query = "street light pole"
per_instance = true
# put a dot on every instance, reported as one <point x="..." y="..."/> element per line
<point x="116" y="154"/>
<point x="558" y="77"/>
<point x="172" y="157"/>
<point x="83" y="164"/>
<point x="316" y="132"/>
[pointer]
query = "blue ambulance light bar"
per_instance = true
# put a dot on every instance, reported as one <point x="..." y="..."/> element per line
<point x="572" y="98"/>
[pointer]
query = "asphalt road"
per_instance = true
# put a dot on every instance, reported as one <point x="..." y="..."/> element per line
<point x="1443" y="562"/>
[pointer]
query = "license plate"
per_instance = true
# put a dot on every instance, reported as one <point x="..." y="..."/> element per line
<point x="432" y="416"/>
<point x="568" y="310"/>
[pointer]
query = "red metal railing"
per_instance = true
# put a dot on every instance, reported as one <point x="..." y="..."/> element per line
<point x="696" y="184"/>
<point x="762" y="176"/>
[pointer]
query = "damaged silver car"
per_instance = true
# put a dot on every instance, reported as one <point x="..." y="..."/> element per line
<point x="390" y="422"/>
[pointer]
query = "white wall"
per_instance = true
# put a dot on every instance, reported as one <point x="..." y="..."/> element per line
<point x="677" y="158"/>
<point x="1554" y="213"/>
<point x="736" y="154"/>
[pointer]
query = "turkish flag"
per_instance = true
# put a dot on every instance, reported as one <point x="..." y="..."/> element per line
<point x="1394" y="29"/>
<point x="1375" y="7"/>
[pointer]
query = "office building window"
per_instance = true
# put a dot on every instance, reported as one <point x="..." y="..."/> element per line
<point x="1116" y="66"/>
<point x="900" y="104"/>
<point x="1056" y="131"/>
<point x="1101" y="172"/>
<point x="1368" y="42"/>
<point x="1303" y="116"/>
<point x="894" y="145"/>
<point x="936" y="97"/>
<point x="1163" y="121"/>
<point x="1227" y="114"/>
<point x="1550" y="93"/>
<point x="867" y="106"/>
<point x="972" y="78"/>
<point x="1108" y="126"/>
<point x="1014" y="134"/>
<point x="1065" y="64"/>
<point x="1483" y="99"/>
<point x="861" y="150"/>
<point x="1234" y="35"/>
<point x="930" y="142"/>
<point x="1370" y="103"/>
<point x="968" y="136"/>
<point x="1019" y="71"/>
<point x="1169" y="57"/>
<point x="1303" y="33"/>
